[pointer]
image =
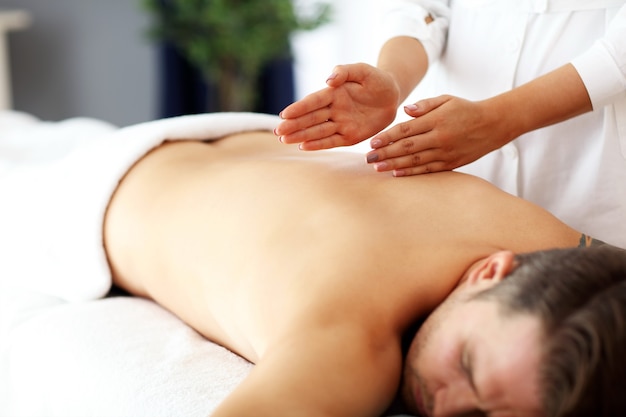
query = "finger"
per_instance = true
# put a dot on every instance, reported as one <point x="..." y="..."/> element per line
<point x="314" y="101"/>
<point x="398" y="132"/>
<point x="432" y="167"/>
<point x="403" y="147"/>
<point x="425" y="106"/>
<point x="313" y="133"/>
<point x="408" y="161"/>
<point x="314" y="118"/>
<point x="332" y="141"/>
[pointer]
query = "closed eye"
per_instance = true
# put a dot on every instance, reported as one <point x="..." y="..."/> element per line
<point x="466" y="367"/>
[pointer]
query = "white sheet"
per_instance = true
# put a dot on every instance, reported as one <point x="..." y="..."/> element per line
<point x="115" y="357"/>
<point x="111" y="357"/>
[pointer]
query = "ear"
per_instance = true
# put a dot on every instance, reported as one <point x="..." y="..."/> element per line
<point x="494" y="268"/>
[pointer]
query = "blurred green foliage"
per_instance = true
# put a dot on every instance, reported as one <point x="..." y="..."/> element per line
<point x="228" y="39"/>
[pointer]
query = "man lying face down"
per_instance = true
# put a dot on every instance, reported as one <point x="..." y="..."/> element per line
<point x="552" y="330"/>
<point x="313" y="267"/>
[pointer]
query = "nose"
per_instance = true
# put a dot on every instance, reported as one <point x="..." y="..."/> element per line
<point x="455" y="400"/>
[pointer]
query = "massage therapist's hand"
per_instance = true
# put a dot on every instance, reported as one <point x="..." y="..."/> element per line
<point x="445" y="133"/>
<point x="359" y="102"/>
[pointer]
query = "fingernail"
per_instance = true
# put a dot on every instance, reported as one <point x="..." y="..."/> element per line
<point x="397" y="173"/>
<point x="381" y="166"/>
<point x="280" y="114"/>
<point x="411" y="107"/>
<point x="276" y="131"/>
<point x="373" y="157"/>
<point x="332" y="76"/>
<point x="376" y="143"/>
<point x="281" y="139"/>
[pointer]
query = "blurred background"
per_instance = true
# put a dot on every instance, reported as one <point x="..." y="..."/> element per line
<point x="94" y="58"/>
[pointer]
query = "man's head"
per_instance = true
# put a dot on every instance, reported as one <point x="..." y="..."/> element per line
<point x="546" y="341"/>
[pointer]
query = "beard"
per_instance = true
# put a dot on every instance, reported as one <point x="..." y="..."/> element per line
<point x="415" y="392"/>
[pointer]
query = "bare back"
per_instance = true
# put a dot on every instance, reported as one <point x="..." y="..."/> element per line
<point x="253" y="242"/>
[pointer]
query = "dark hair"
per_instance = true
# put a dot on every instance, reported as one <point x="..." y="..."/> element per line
<point x="580" y="296"/>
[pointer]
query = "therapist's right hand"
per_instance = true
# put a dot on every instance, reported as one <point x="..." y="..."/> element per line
<point x="359" y="102"/>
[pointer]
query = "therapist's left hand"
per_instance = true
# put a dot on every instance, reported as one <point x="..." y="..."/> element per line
<point x="445" y="133"/>
<point x="360" y="101"/>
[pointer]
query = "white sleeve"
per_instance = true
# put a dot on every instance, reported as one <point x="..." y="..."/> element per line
<point x="603" y="67"/>
<point x="407" y="18"/>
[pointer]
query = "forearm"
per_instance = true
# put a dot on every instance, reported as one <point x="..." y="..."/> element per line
<point x="549" y="99"/>
<point x="593" y="79"/>
<point x="329" y="374"/>
<point x="405" y="59"/>
<point x="415" y="33"/>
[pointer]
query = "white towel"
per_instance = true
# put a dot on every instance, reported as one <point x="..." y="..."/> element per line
<point x="51" y="211"/>
<point x="114" y="357"/>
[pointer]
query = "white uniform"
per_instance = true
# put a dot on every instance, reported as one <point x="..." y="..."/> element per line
<point x="481" y="48"/>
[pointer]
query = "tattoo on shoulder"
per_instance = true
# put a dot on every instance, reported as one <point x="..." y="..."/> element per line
<point x="587" y="241"/>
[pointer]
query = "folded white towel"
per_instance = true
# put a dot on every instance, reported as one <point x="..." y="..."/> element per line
<point x="51" y="211"/>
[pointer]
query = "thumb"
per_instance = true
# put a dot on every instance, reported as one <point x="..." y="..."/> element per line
<point x="347" y="73"/>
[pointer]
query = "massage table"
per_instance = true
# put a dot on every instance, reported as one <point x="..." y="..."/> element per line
<point x="70" y="343"/>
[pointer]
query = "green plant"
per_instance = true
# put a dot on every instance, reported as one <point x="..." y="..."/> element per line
<point x="230" y="41"/>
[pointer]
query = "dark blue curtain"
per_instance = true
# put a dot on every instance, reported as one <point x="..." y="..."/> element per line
<point x="184" y="91"/>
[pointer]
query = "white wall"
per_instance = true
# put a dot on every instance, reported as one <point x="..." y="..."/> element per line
<point x="351" y="37"/>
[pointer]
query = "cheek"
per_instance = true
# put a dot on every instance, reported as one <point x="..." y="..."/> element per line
<point x="422" y="358"/>
<point x="428" y="362"/>
<point x="434" y="355"/>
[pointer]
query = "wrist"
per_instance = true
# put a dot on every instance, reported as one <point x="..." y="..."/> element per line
<point x="394" y="87"/>
<point x="404" y="59"/>
<point x="506" y="121"/>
